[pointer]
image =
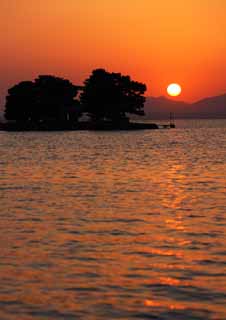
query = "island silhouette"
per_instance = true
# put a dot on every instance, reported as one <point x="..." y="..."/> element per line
<point x="106" y="101"/>
<point x="52" y="103"/>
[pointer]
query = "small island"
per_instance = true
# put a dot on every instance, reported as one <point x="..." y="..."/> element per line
<point x="104" y="102"/>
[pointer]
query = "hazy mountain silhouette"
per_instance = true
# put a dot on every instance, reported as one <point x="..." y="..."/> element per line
<point x="160" y="108"/>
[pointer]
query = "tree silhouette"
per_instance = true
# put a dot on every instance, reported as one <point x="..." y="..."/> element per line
<point x="20" y="101"/>
<point x="55" y="97"/>
<point x="111" y="95"/>
<point x="47" y="98"/>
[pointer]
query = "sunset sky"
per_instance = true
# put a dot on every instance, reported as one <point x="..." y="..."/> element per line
<point x="156" y="42"/>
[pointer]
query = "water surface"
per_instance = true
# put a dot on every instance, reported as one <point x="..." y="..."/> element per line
<point x="114" y="225"/>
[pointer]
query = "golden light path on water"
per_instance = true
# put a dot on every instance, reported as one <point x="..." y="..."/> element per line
<point x="113" y="225"/>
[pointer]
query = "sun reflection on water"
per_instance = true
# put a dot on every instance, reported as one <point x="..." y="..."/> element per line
<point x="125" y="224"/>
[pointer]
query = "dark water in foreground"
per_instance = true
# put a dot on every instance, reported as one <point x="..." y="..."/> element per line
<point x="114" y="225"/>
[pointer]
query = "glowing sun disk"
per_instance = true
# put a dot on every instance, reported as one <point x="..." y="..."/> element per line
<point x="174" y="90"/>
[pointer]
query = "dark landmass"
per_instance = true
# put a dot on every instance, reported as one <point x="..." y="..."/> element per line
<point x="160" y="108"/>
<point x="83" y="125"/>
<point x="107" y="100"/>
<point x="50" y="103"/>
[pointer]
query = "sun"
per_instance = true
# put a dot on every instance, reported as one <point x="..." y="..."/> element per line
<point x="174" y="89"/>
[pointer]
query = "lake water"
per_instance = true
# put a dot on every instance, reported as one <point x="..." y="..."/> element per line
<point x="114" y="225"/>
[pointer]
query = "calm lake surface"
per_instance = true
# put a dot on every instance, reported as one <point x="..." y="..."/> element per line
<point x="114" y="225"/>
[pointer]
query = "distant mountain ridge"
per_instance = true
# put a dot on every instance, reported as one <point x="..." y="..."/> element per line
<point x="160" y="108"/>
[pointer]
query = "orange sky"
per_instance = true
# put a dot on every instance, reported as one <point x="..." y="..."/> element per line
<point x="156" y="42"/>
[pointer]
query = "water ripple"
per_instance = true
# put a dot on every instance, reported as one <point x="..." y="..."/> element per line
<point x="115" y="225"/>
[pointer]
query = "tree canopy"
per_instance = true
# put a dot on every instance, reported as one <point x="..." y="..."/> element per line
<point x="111" y="95"/>
<point x="104" y="96"/>
<point x="48" y="97"/>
